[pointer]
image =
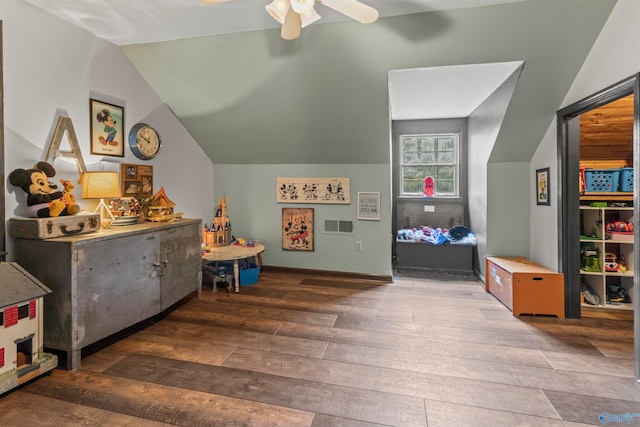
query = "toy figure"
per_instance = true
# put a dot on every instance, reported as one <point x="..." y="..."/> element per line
<point x="109" y="127"/>
<point x="429" y="187"/>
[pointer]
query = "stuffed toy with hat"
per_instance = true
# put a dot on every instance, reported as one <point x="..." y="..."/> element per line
<point x="43" y="197"/>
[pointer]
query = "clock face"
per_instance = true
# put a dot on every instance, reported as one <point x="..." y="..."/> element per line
<point x="144" y="141"/>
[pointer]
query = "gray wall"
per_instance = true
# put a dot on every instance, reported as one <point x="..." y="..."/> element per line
<point x="484" y="125"/>
<point x="252" y="98"/>
<point x="254" y="214"/>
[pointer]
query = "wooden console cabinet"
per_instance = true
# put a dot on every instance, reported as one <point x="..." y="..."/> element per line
<point x="106" y="281"/>
<point x="525" y="287"/>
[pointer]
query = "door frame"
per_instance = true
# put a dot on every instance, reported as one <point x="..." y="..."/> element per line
<point x="569" y="198"/>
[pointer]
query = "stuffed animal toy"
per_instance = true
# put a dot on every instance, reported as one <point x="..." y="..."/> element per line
<point x="43" y="197"/>
<point x="68" y="197"/>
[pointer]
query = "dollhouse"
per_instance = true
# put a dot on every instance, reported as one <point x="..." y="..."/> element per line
<point x="161" y="207"/>
<point x="21" y="327"/>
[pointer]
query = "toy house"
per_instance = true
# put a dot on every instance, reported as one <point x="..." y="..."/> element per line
<point x="21" y="327"/>
<point x="161" y="207"/>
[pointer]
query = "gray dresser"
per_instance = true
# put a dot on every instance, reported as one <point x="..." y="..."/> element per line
<point x="106" y="281"/>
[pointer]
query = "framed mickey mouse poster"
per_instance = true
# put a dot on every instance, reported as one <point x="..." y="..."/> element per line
<point x="107" y="128"/>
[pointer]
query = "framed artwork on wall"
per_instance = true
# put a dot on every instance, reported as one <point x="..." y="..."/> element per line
<point x="313" y="190"/>
<point x="297" y="229"/>
<point x="137" y="180"/>
<point x="369" y="206"/>
<point x="542" y="187"/>
<point x="107" y="128"/>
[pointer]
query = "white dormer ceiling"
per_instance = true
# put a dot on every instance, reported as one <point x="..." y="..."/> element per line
<point x="444" y="92"/>
<point x="125" y="22"/>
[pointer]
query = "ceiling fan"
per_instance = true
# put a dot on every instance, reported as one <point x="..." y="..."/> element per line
<point x="297" y="14"/>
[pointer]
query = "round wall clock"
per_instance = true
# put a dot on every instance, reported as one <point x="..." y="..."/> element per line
<point x="144" y="141"/>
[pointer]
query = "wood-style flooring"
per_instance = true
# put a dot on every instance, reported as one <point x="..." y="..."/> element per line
<point x="307" y="350"/>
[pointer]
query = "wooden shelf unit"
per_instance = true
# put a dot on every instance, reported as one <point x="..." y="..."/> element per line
<point x="593" y="223"/>
<point x="607" y="197"/>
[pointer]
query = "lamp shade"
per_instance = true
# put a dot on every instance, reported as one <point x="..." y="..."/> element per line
<point x="100" y="185"/>
<point x="278" y="9"/>
<point x="309" y="17"/>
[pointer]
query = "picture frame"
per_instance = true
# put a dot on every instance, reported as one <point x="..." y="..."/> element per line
<point x="543" y="197"/>
<point x="368" y="206"/>
<point x="136" y="180"/>
<point x="107" y="136"/>
<point x="314" y="190"/>
<point x="297" y="229"/>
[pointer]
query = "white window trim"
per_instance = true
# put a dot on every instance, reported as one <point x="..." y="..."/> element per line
<point x="457" y="165"/>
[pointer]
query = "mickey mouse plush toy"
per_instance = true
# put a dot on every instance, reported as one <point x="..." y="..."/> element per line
<point x="43" y="200"/>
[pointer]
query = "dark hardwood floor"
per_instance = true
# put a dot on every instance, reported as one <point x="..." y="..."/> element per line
<point x="302" y="350"/>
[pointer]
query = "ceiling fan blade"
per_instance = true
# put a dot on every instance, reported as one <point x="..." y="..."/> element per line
<point x="291" y="26"/>
<point x="213" y="1"/>
<point x="353" y="9"/>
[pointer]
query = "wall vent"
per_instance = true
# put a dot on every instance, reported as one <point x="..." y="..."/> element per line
<point x="338" y="226"/>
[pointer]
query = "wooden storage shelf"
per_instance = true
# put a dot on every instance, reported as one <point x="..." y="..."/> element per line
<point x="593" y="221"/>
<point x="608" y="196"/>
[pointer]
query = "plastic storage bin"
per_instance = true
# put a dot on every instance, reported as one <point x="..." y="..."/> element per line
<point x="626" y="179"/>
<point x="602" y="180"/>
<point x="249" y="275"/>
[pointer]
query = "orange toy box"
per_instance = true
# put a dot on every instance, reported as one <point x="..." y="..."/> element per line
<point x="525" y="287"/>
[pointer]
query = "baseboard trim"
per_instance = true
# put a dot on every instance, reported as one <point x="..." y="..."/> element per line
<point x="290" y="270"/>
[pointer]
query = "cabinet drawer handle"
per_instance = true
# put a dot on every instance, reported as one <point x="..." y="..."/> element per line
<point x="64" y="230"/>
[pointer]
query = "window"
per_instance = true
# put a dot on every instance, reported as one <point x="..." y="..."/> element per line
<point x="429" y="155"/>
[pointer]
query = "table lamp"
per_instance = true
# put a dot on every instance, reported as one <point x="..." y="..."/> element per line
<point x="101" y="185"/>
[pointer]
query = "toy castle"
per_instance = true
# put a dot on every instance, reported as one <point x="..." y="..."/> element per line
<point x="219" y="234"/>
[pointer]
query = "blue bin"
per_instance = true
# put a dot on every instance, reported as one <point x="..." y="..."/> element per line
<point x="249" y="275"/>
<point x="602" y="180"/>
<point x="626" y="179"/>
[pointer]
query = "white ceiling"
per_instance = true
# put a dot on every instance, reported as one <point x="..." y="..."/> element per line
<point x="141" y="21"/>
<point x="444" y="92"/>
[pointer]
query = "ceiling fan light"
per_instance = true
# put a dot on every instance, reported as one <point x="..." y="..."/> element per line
<point x="309" y="17"/>
<point x="278" y="9"/>
<point x="302" y="6"/>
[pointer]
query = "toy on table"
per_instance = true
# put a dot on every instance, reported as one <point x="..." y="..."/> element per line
<point x="219" y="233"/>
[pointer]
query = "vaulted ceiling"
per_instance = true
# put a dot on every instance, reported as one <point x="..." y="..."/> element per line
<point x="126" y="22"/>
<point x="247" y="96"/>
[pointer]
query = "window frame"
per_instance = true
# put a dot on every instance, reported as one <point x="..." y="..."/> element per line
<point x="456" y="164"/>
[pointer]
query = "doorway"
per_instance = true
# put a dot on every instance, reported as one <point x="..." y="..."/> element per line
<point x="568" y="132"/>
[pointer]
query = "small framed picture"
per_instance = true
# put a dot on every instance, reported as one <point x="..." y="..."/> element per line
<point x="137" y="180"/>
<point x="107" y="128"/>
<point x="542" y="187"/>
<point x="369" y="206"/>
<point x="131" y="172"/>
